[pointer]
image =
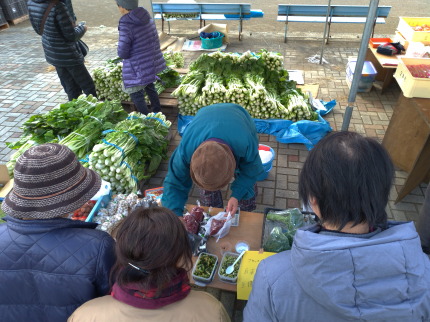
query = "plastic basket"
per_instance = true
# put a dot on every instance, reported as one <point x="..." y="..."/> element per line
<point x="203" y="279"/>
<point x="102" y="202"/>
<point x="224" y="278"/>
<point x="267" y="166"/>
<point x="210" y="43"/>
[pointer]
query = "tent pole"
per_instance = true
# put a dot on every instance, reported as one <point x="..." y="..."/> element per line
<point x="371" y="16"/>
<point x="325" y="30"/>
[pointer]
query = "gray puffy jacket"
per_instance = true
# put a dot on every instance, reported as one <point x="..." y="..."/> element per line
<point x="60" y="34"/>
<point x="343" y="278"/>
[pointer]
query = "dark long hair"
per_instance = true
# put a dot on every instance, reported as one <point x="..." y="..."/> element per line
<point x="350" y="177"/>
<point x="154" y="240"/>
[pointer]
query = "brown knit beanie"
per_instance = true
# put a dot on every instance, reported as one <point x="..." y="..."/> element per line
<point x="49" y="182"/>
<point x="212" y="165"/>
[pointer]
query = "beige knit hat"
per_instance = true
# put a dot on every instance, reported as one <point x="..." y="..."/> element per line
<point x="212" y="165"/>
<point x="49" y="182"/>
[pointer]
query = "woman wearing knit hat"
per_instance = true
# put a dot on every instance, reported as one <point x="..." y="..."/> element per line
<point x="220" y="144"/>
<point x="139" y="47"/>
<point x="49" y="264"/>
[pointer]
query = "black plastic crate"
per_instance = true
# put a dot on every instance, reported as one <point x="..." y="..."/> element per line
<point x="14" y="10"/>
<point x="2" y="18"/>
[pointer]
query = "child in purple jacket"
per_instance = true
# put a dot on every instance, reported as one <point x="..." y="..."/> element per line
<point x="139" y="47"/>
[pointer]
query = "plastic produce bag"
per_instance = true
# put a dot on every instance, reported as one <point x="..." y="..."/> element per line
<point x="277" y="241"/>
<point x="218" y="225"/>
<point x="287" y="222"/>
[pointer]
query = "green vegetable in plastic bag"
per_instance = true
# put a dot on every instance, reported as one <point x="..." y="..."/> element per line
<point x="277" y="241"/>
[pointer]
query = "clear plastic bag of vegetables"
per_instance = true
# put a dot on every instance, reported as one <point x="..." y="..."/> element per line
<point x="277" y="241"/>
<point x="287" y="222"/>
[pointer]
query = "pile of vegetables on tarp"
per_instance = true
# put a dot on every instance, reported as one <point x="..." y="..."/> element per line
<point x="131" y="151"/>
<point x="131" y="145"/>
<point x="256" y="81"/>
<point x="108" y="78"/>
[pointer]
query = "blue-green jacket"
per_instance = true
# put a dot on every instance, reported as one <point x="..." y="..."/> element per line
<point x="230" y="123"/>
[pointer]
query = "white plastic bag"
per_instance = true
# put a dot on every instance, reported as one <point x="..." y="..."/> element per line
<point x="224" y="229"/>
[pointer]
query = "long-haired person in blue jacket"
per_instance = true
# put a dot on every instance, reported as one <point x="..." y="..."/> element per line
<point x="355" y="265"/>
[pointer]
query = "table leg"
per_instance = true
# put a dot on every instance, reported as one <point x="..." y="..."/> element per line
<point x="387" y="79"/>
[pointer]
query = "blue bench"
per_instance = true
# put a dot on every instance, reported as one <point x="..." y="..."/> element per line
<point x="337" y="14"/>
<point x="205" y="11"/>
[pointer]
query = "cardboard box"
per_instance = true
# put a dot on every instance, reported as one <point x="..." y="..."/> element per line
<point x="217" y="27"/>
<point x="402" y="40"/>
<point x="5" y="181"/>
<point x="412" y="86"/>
<point x="405" y="28"/>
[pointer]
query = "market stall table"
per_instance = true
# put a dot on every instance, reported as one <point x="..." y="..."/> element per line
<point x="250" y="230"/>
<point x="385" y="66"/>
<point x="407" y="140"/>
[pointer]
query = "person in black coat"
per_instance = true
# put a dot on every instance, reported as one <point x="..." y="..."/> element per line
<point x="59" y="39"/>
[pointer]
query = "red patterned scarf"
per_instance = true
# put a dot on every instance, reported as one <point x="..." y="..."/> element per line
<point x="175" y="291"/>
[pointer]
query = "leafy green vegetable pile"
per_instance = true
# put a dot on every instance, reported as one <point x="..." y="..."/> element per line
<point x="77" y="124"/>
<point x="108" y="78"/>
<point x="130" y="146"/>
<point x="256" y="81"/>
<point x="205" y="266"/>
<point x="179" y="15"/>
<point x="131" y="151"/>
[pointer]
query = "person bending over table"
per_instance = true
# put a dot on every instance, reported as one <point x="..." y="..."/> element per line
<point x="355" y="265"/>
<point x="151" y="274"/>
<point x="220" y="143"/>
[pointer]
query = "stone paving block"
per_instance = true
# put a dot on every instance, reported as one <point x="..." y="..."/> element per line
<point x="405" y="206"/>
<point x="399" y="215"/>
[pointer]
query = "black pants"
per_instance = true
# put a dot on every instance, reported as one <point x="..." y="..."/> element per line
<point x="75" y="80"/>
<point x="138" y="99"/>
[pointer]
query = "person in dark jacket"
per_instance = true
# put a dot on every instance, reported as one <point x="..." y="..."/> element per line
<point x="139" y="47"/>
<point x="59" y="39"/>
<point x="354" y="265"/>
<point x="49" y="264"/>
<point x="220" y="144"/>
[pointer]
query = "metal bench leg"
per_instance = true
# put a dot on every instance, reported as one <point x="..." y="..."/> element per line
<point x="328" y="33"/>
<point x="168" y="24"/>
<point x="162" y="24"/>
<point x="240" y="30"/>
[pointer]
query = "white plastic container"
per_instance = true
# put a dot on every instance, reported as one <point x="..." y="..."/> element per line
<point x="367" y="76"/>
<point x="200" y="278"/>
<point x="412" y="86"/>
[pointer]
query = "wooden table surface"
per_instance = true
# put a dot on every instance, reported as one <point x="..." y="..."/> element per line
<point x="250" y="229"/>
<point x="385" y="66"/>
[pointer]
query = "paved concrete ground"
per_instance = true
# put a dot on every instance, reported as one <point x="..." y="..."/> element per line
<point x="28" y="85"/>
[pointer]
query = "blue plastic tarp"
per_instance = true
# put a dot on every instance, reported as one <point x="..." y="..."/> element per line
<point x="285" y="131"/>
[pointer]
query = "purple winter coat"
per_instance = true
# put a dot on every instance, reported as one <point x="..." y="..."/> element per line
<point x="139" y="47"/>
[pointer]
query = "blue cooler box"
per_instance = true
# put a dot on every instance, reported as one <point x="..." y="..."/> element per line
<point x="367" y="76"/>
